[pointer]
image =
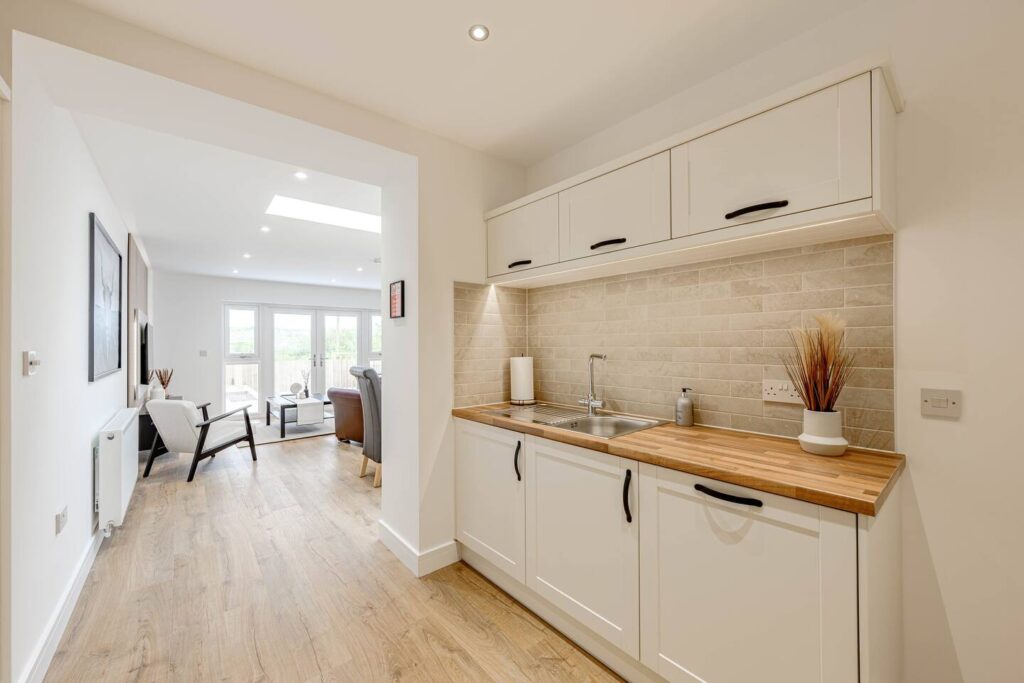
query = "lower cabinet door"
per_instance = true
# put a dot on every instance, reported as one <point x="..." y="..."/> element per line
<point x="490" y="469"/>
<point x="738" y="585"/>
<point x="582" y="537"/>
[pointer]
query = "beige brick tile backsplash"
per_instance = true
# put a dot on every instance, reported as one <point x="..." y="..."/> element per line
<point x="718" y="327"/>
<point x="490" y="328"/>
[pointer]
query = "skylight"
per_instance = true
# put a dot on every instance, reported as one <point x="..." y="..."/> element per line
<point x="289" y="207"/>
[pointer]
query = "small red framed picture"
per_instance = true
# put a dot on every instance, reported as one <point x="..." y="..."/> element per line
<point x="398" y="299"/>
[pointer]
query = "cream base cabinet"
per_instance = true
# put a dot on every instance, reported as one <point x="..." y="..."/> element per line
<point x="810" y="153"/>
<point x="490" y="494"/>
<point x="523" y="238"/>
<point x="582" y="537"/>
<point x="739" y="585"/>
<point x="628" y="207"/>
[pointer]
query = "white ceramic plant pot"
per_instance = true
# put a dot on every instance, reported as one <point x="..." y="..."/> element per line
<point x="823" y="433"/>
<point x="157" y="391"/>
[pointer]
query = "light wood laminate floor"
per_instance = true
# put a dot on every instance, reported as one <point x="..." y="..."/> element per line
<point x="272" y="571"/>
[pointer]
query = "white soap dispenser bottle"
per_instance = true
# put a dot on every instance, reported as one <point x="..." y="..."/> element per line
<point x="684" y="409"/>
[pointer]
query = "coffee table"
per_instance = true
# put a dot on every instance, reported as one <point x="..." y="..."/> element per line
<point x="282" y="403"/>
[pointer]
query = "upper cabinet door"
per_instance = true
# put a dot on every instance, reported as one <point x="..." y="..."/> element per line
<point x="526" y="237"/>
<point x="582" y="537"/>
<point x="490" y="494"/>
<point x="625" y="208"/>
<point x="809" y="153"/>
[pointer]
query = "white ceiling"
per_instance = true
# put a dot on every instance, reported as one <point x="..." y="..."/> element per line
<point x="552" y="73"/>
<point x="199" y="207"/>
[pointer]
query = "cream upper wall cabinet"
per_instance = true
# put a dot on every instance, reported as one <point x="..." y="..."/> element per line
<point x="526" y="237"/>
<point x="490" y="494"/>
<point x="810" y="153"/>
<point x="814" y="163"/>
<point x="738" y="585"/>
<point x="628" y="207"/>
<point x="582" y="538"/>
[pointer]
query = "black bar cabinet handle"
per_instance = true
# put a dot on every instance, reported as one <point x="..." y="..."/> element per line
<point x="524" y="262"/>
<point x="757" y="207"/>
<point x="605" y="243"/>
<point x="740" y="500"/>
<point x="625" y="496"/>
<point x="515" y="460"/>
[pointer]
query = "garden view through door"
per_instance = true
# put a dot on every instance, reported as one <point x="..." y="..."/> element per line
<point x="293" y="349"/>
<point x="340" y="349"/>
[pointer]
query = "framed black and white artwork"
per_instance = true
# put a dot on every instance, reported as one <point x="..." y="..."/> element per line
<point x="104" y="302"/>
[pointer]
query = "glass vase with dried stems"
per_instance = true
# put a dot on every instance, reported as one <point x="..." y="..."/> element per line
<point x="819" y="367"/>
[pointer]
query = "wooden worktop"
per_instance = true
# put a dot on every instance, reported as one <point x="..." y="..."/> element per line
<point x="857" y="481"/>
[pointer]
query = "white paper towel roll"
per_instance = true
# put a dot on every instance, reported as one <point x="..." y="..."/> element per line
<point x="521" y="369"/>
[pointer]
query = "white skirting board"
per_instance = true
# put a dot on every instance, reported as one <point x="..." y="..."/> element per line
<point x="47" y="647"/>
<point x="617" y="661"/>
<point x="419" y="563"/>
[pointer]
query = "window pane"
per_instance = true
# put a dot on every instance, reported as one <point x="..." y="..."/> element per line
<point x="293" y="350"/>
<point x="241" y="330"/>
<point x="341" y="343"/>
<point x="376" y="334"/>
<point x="241" y="385"/>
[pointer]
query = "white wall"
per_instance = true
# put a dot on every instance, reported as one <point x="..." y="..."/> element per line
<point x="188" y="316"/>
<point x="56" y="414"/>
<point x="958" y="288"/>
<point x="431" y="244"/>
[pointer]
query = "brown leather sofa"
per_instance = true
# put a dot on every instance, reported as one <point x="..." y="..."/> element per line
<point x="348" y="414"/>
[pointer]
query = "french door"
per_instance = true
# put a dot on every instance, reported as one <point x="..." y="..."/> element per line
<point x="315" y="347"/>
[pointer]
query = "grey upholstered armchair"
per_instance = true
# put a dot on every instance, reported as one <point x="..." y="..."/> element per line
<point x="369" y="394"/>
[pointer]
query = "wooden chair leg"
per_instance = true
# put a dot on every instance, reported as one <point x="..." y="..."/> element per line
<point x="195" y="463"/>
<point x="362" y="467"/>
<point x="248" y="431"/>
<point x="152" y="455"/>
<point x="376" y="476"/>
<point x="199" y="452"/>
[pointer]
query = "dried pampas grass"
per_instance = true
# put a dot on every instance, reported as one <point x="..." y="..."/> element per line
<point x="820" y="365"/>
<point x="163" y="375"/>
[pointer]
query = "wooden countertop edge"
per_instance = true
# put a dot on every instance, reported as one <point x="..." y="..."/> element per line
<point x="867" y="505"/>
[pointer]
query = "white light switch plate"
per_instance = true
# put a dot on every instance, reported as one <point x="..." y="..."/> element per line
<point x="779" y="391"/>
<point x="941" y="402"/>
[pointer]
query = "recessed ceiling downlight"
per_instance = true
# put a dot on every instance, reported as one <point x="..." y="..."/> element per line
<point x="246" y="255"/>
<point x="479" y="32"/>
<point x="264" y="228"/>
<point x="301" y="175"/>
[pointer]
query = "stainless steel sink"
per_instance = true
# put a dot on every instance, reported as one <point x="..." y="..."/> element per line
<point x="539" y="413"/>
<point x="606" y="426"/>
<point x="576" y="420"/>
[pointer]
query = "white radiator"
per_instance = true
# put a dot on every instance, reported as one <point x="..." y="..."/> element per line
<point x="117" y="468"/>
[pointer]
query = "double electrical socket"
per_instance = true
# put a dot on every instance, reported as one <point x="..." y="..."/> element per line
<point x="780" y="391"/>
